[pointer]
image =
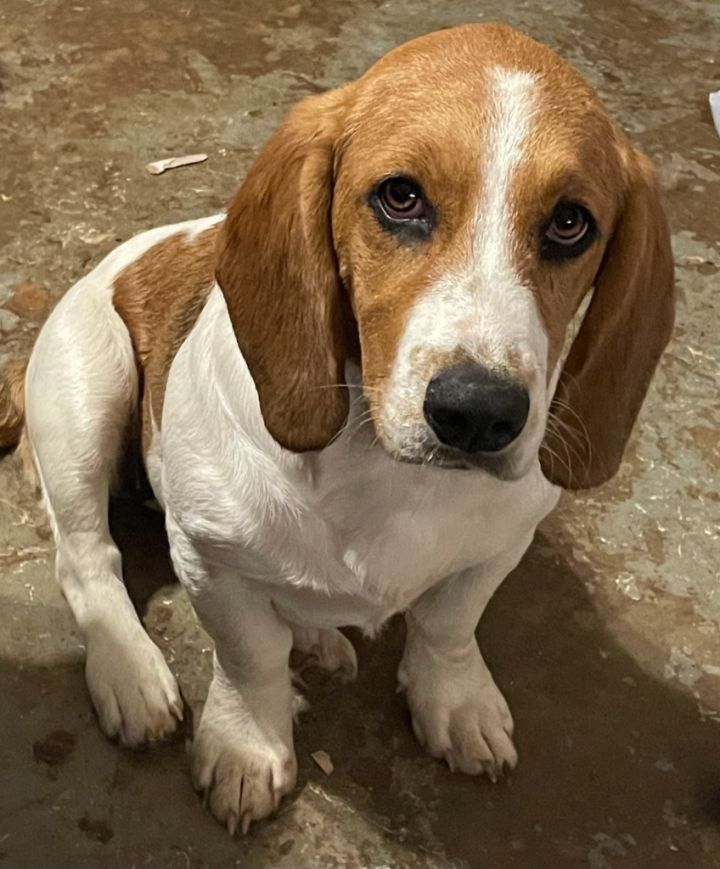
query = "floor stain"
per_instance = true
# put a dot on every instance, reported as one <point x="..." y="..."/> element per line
<point x="95" y="829"/>
<point x="55" y="749"/>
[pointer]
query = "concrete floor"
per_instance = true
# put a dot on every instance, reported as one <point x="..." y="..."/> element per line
<point x="604" y="639"/>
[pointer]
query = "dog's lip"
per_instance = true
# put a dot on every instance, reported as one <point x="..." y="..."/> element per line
<point x="438" y="456"/>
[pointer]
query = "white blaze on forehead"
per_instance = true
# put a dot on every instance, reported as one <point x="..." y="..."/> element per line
<point x="482" y="307"/>
<point x="512" y="107"/>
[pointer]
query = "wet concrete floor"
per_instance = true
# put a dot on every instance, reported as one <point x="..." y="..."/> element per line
<point x="605" y="640"/>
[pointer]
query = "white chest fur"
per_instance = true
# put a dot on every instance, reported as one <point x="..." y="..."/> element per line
<point x="413" y="525"/>
<point x="220" y="475"/>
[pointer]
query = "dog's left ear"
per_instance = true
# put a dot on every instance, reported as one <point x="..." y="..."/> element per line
<point x="626" y="327"/>
<point x="276" y="268"/>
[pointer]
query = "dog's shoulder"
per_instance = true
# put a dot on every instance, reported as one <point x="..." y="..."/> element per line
<point x="159" y="296"/>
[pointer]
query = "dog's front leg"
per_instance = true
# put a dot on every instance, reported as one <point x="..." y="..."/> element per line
<point x="243" y="758"/>
<point x="458" y="712"/>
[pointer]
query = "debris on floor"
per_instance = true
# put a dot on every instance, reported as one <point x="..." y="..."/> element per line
<point x="159" y="166"/>
<point x="324" y="761"/>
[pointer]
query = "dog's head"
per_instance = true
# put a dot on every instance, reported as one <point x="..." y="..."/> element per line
<point x="443" y="218"/>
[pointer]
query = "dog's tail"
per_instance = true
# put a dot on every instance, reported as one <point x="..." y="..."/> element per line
<point x="12" y="404"/>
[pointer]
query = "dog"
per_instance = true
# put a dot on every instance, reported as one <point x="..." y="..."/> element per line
<point x="356" y="393"/>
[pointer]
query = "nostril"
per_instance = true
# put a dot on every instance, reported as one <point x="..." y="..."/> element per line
<point x="503" y="429"/>
<point x="498" y="434"/>
<point x="448" y="419"/>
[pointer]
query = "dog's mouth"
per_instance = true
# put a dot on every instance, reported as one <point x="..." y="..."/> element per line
<point x="502" y="466"/>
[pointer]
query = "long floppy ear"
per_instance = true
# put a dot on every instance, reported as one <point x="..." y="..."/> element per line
<point x="626" y="327"/>
<point x="277" y="270"/>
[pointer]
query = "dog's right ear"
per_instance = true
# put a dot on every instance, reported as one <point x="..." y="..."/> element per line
<point x="277" y="270"/>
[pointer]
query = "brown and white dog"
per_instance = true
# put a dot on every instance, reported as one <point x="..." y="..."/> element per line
<point x="345" y="387"/>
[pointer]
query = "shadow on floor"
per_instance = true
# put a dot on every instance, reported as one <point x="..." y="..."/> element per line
<point x="616" y="769"/>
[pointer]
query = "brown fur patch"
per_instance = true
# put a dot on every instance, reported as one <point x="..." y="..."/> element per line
<point x="277" y="269"/>
<point x="12" y="403"/>
<point x="159" y="297"/>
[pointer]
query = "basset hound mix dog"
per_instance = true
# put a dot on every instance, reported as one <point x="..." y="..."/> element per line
<point x="354" y="395"/>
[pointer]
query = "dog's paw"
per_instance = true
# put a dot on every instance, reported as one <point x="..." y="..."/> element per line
<point x="242" y="776"/>
<point x="135" y="695"/>
<point x="460" y="715"/>
<point x="329" y="648"/>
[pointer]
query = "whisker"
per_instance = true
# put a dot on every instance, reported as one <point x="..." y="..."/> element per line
<point x="361" y="388"/>
<point x="555" y="431"/>
<point x="581" y="435"/>
<point x="556" y="426"/>
<point x="553" y="455"/>
<point x="579" y="441"/>
<point x="583" y="428"/>
<point x="564" y="443"/>
<point x="352" y="426"/>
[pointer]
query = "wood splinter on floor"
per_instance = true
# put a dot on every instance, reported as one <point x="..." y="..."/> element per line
<point x="159" y="166"/>
<point x="323" y="760"/>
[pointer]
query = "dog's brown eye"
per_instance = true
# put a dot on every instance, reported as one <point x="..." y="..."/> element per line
<point x="401" y="199"/>
<point x="569" y="224"/>
<point x="402" y="209"/>
<point x="569" y="233"/>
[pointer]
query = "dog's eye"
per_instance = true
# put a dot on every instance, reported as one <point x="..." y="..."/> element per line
<point x="401" y="199"/>
<point x="569" y="224"/>
<point x="570" y="232"/>
<point x="401" y="208"/>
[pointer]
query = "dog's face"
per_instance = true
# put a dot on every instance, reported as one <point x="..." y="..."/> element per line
<point x="469" y="219"/>
<point x="473" y="191"/>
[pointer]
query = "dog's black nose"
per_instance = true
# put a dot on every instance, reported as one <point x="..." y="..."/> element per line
<point x="474" y="409"/>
